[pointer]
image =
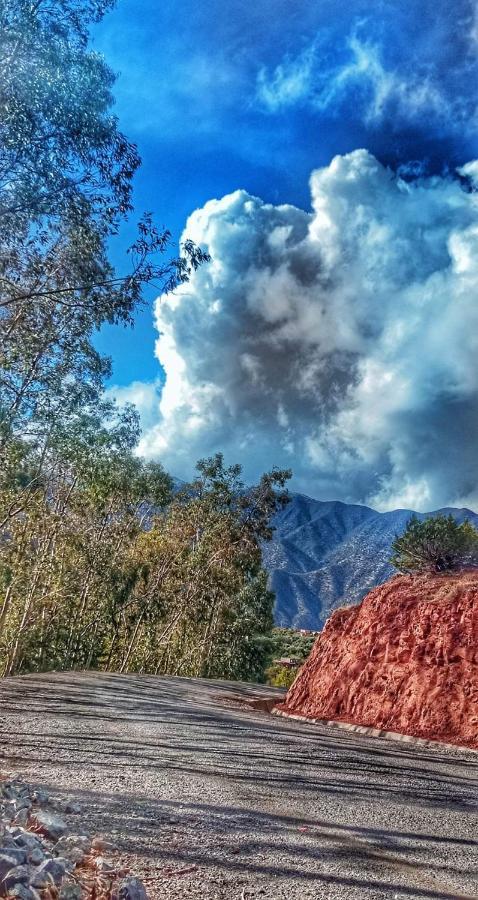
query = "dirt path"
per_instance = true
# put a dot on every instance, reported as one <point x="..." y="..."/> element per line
<point x="209" y="800"/>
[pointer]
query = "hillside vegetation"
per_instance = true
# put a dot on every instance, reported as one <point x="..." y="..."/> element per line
<point x="327" y="553"/>
<point x="437" y="544"/>
<point x="286" y="644"/>
<point x="101" y="563"/>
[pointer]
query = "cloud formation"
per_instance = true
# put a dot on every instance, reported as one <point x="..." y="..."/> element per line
<point x="387" y="71"/>
<point x="377" y="89"/>
<point x="400" y="80"/>
<point x="341" y="342"/>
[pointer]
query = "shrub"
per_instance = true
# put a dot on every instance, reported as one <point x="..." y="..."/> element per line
<point x="281" y="676"/>
<point x="436" y="544"/>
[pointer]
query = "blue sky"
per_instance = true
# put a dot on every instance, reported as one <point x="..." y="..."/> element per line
<point x="231" y="96"/>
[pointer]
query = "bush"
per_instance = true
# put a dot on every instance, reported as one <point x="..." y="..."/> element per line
<point x="281" y="676"/>
<point x="289" y="642"/>
<point x="435" y="544"/>
<point x="283" y="643"/>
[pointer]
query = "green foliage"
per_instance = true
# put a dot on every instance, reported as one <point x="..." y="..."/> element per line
<point x="286" y="643"/>
<point x="201" y="600"/>
<point x="69" y="524"/>
<point x="65" y="186"/>
<point x="289" y="642"/>
<point x="435" y="544"/>
<point x="281" y="676"/>
<point x="99" y="564"/>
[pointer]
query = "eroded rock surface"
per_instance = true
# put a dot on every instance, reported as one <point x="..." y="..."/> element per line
<point x="404" y="660"/>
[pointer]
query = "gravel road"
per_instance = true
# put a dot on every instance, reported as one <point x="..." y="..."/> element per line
<point x="207" y="799"/>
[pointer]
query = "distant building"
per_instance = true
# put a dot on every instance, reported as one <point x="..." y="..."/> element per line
<point x="288" y="662"/>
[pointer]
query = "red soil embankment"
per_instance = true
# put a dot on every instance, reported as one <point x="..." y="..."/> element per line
<point x="404" y="660"/>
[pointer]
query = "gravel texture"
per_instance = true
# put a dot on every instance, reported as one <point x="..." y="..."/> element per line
<point x="40" y="860"/>
<point x="209" y="799"/>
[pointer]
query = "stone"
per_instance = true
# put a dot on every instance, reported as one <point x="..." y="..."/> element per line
<point x="70" y="891"/>
<point x="104" y="865"/>
<point x="35" y="856"/>
<point x="131" y="889"/>
<point x="10" y="858"/>
<point x="11" y="790"/>
<point x="17" y="875"/>
<point x="49" y="824"/>
<point x="403" y="660"/>
<point x="40" y="797"/>
<point x="26" y="840"/>
<point x="71" y="806"/>
<point x="23" y="892"/>
<point x="55" y="804"/>
<point x="22" y="803"/>
<point x="73" y="847"/>
<point x="75" y="855"/>
<point x="51" y="871"/>
<point x="101" y="844"/>
<point x="66" y="863"/>
<point x="7" y="841"/>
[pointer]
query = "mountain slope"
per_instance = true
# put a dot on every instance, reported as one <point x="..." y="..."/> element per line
<point x="325" y="554"/>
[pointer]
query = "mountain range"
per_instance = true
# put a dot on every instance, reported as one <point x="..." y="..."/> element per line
<point x="325" y="554"/>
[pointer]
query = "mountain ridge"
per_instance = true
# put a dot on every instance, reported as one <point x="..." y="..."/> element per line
<point x="327" y="553"/>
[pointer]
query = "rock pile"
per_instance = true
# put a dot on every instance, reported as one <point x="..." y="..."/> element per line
<point x="41" y="859"/>
<point x="403" y="660"/>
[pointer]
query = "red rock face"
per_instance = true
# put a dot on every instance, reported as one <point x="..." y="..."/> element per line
<point x="405" y="659"/>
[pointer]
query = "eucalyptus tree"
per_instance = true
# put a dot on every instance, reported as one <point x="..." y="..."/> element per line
<point x="65" y="187"/>
<point x="201" y="603"/>
<point x="70" y="487"/>
<point x="65" y="560"/>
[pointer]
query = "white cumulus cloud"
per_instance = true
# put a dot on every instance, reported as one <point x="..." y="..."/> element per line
<point x="341" y="342"/>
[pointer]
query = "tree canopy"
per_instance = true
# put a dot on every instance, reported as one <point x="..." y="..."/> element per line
<point x="65" y="187"/>
<point x="102" y="563"/>
<point x="435" y="544"/>
<point x="106" y="567"/>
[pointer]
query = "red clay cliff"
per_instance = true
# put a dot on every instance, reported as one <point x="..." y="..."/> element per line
<point x="405" y="659"/>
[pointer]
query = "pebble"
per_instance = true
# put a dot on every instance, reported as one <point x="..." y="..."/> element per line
<point x="50" y="824"/>
<point x="101" y="845"/>
<point x="70" y="891"/>
<point x="17" y="875"/>
<point x="51" y="871"/>
<point x="104" y="865"/>
<point x="72" y="806"/>
<point x="132" y="889"/>
<point x="23" y="892"/>
<point x="8" y="810"/>
<point x="22" y="803"/>
<point x="14" y="856"/>
<point x="40" y="797"/>
<point x="36" y="856"/>
<point x="73" y="847"/>
<point x="25" y="839"/>
<point x="30" y="868"/>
